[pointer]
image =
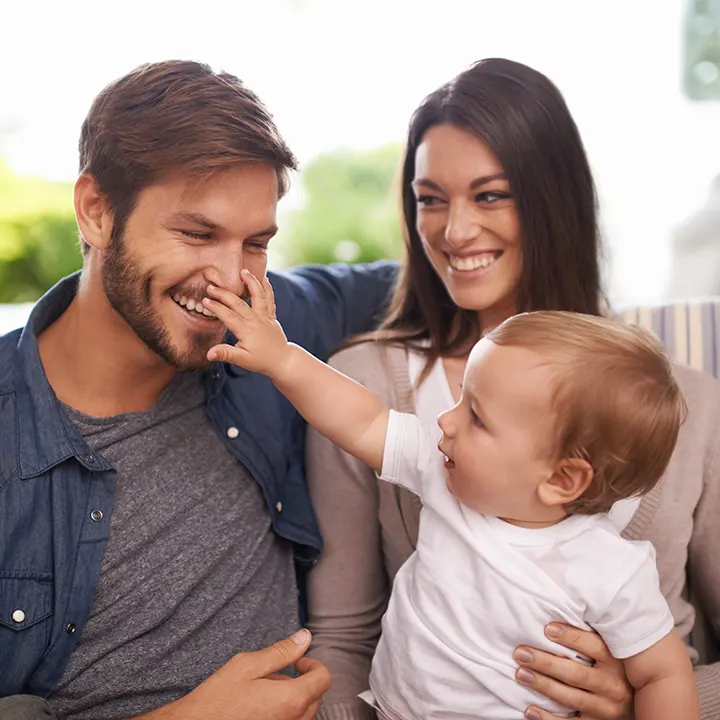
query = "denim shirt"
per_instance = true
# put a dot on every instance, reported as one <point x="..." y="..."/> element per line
<point x="56" y="494"/>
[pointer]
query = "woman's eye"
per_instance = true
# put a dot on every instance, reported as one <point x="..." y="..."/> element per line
<point x="427" y="200"/>
<point x="491" y="197"/>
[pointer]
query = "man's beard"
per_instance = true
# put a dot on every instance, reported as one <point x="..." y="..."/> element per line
<point x="129" y="292"/>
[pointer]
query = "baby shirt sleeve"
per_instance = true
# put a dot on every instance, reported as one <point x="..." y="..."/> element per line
<point x="408" y="452"/>
<point x="638" y="615"/>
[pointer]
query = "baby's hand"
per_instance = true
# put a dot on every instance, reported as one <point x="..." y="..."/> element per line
<point x="261" y="343"/>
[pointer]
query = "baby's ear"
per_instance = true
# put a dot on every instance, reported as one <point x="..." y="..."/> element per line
<point x="569" y="481"/>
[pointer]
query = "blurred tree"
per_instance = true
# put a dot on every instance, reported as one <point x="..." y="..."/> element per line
<point x="701" y="73"/>
<point x="38" y="236"/>
<point x="350" y="213"/>
<point x="350" y="210"/>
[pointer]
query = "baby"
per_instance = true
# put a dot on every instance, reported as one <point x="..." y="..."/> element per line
<point x="561" y="415"/>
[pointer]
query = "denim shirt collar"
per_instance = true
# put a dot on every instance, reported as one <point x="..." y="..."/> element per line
<point x="46" y="435"/>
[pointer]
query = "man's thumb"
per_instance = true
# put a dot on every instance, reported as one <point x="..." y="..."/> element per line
<point x="279" y="655"/>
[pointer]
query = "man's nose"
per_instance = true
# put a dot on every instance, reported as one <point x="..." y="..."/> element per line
<point x="224" y="269"/>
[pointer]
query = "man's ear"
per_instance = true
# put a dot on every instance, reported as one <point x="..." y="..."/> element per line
<point x="569" y="481"/>
<point x="92" y="213"/>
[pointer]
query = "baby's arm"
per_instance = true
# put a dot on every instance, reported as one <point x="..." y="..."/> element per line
<point x="336" y="406"/>
<point x="663" y="680"/>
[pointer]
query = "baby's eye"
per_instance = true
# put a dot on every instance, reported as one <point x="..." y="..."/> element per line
<point x="476" y="421"/>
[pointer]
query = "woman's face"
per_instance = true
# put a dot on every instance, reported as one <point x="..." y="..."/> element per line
<point x="468" y="223"/>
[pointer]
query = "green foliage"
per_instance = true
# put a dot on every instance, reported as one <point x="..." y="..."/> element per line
<point x="350" y="213"/>
<point x="38" y="236"/>
<point x="350" y="209"/>
<point x="701" y="72"/>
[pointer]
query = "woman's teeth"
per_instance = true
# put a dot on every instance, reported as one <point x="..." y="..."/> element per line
<point x="472" y="262"/>
<point x="192" y="305"/>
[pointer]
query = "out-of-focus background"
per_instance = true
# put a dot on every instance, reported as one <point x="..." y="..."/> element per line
<point x="642" y="79"/>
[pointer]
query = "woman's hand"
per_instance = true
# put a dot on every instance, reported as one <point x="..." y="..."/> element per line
<point x="597" y="692"/>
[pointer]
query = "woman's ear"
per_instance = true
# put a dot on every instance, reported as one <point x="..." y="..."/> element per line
<point x="91" y="211"/>
<point x="569" y="481"/>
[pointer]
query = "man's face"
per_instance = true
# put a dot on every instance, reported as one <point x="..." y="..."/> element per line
<point x="182" y="236"/>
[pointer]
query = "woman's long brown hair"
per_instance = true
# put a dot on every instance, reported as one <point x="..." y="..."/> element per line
<point x="524" y="120"/>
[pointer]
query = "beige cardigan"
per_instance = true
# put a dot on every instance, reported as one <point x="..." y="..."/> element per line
<point x="370" y="528"/>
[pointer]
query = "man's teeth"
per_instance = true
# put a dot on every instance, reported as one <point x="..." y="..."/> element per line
<point x="192" y="305"/>
<point x="472" y="262"/>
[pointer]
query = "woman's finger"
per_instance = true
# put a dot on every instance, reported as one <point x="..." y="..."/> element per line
<point x="587" y="704"/>
<point x="606" y="679"/>
<point x="536" y="713"/>
<point x="585" y="642"/>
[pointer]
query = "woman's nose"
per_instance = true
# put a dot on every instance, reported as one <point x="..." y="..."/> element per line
<point x="462" y="227"/>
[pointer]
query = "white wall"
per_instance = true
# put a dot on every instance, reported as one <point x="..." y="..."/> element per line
<point x="337" y="73"/>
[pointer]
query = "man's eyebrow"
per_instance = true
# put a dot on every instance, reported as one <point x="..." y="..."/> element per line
<point x="195" y="218"/>
<point x="268" y="232"/>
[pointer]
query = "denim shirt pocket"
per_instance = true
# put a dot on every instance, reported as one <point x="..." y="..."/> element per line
<point x="26" y="603"/>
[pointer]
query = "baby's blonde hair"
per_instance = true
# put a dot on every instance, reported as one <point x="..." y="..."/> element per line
<point x="615" y="398"/>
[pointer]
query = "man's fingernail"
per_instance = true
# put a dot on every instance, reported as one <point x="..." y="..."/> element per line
<point x="210" y="287"/>
<point x="522" y="655"/>
<point x="301" y="637"/>
<point x="525" y="676"/>
<point x="532" y="714"/>
<point x="553" y="631"/>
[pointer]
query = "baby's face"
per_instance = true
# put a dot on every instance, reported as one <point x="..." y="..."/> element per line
<point x="498" y="439"/>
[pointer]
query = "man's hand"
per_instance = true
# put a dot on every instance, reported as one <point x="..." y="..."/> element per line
<point x="261" y="343"/>
<point x="248" y="687"/>
<point x="600" y="692"/>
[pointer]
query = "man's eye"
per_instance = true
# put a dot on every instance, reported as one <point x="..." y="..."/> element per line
<point x="196" y="235"/>
<point x="258" y="247"/>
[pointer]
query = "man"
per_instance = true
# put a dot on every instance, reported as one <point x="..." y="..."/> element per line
<point x="153" y="507"/>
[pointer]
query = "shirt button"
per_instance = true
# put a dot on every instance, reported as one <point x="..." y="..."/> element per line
<point x="18" y="616"/>
<point x="96" y="515"/>
<point x="232" y="432"/>
<point x="278" y="506"/>
<point x="71" y="628"/>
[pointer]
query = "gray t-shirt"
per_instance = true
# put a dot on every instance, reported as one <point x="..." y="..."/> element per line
<point x="192" y="573"/>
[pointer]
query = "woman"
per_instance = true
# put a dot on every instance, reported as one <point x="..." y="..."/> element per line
<point x="499" y="210"/>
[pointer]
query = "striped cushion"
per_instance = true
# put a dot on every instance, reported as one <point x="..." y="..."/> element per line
<point x="689" y="330"/>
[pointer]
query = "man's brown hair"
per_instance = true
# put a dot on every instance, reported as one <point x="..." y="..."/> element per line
<point x="174" y="118"/>
<point x="615" y="398"/>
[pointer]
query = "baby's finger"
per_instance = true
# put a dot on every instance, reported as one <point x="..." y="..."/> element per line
<point x="257" y="293"/>
<point x="235" y="322"/>
<point x="225" y="353"/>
<point x="229" y="299"/>
<point x="270" y="298"/>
